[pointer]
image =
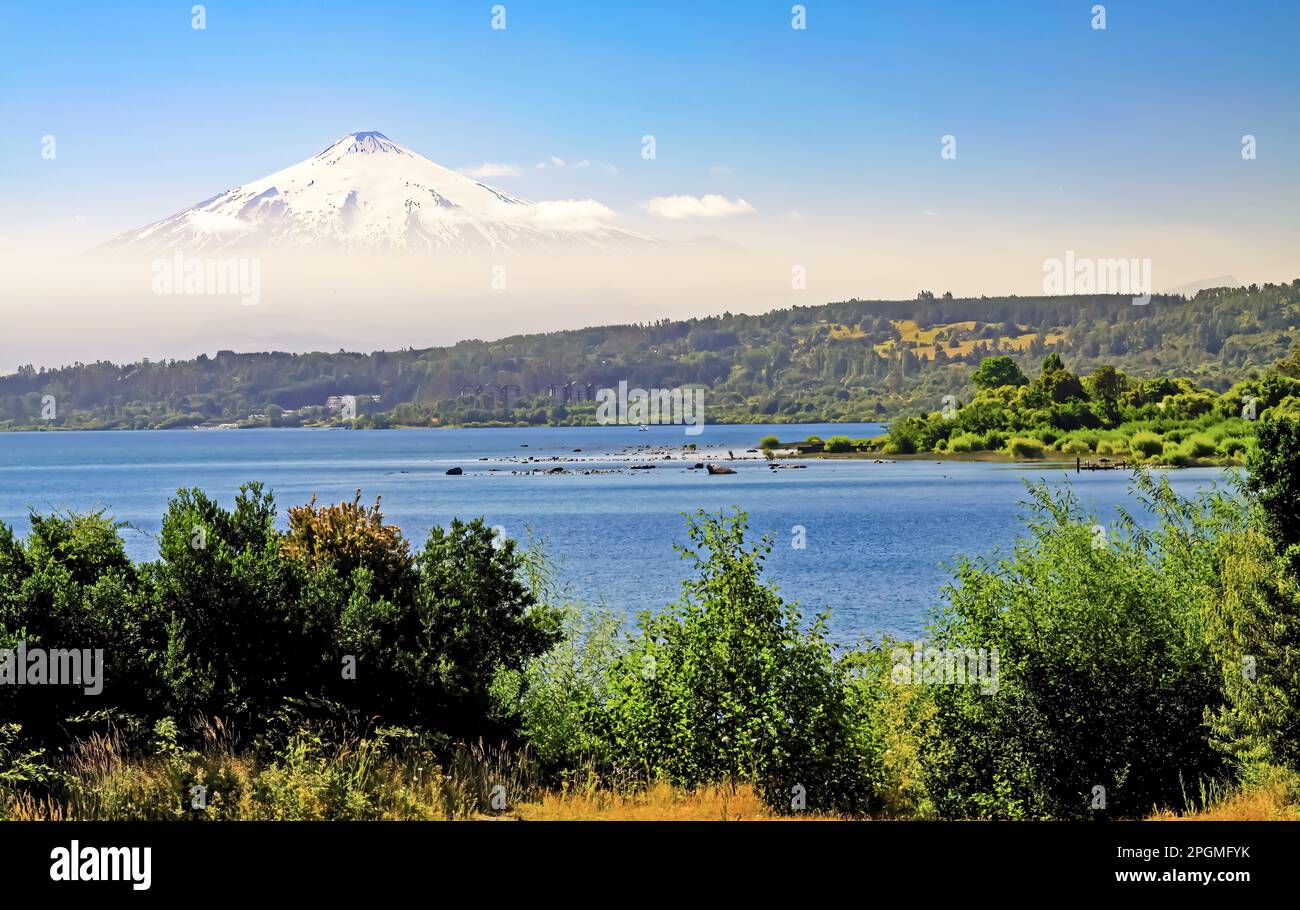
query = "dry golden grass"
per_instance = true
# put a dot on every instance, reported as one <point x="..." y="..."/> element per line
<point x="356" y="779"/>
<point x="660" y="802"/>
<point x="1268" y="802"/>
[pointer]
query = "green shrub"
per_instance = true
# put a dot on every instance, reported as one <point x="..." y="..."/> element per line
<point x="1233" y="446"/>
<point x="728" y="685"/>
<point x="1146" y="443"/>
<point x="1103" y="674"/>
<point x="1022" y="447"/>
<point x="70" y="585"/>
<point x="563" y="694"/>
<point x="1076" y="447"/>
<point x="1199" y="445"/>
<point x="904" y="445"/>
<point x="1255" y="626"/>
<point x="769" y="442"/>
<point x="965" y="442"/>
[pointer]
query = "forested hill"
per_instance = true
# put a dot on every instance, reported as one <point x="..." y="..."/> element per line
<point x="854" y="360"/>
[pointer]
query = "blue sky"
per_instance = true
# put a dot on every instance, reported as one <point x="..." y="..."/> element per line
<point x="839" y="122"/>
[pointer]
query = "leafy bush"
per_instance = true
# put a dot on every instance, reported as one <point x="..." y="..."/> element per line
<point x="1022" y="447"/>
<point x="1255" y="626"/>
<point x="236" y="621"/>
<point x="1233" y="446"/>
<point x="1146" y="443"/>
<point x="1104" y="673"/>
<point x="727" y="685"/>
<point x="70" y="585"/>
<point x="240" y="638"/>
<point x="965" y="442"/>
<point x="1199" y="445"/>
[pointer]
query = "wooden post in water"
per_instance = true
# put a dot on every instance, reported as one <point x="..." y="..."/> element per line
<point x="1076" y="464"/>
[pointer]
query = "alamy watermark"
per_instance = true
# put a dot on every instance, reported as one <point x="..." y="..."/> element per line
<point x="658" y="406"/>
<point x="75" y="863"/>
<point x="24" y="666"/>
<point x="920" y="665"/>
<point x="186" y="275"/>
<point x="1081" y="275"/>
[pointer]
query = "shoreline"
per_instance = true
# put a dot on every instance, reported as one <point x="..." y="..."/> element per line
<point x="996" y="458"/>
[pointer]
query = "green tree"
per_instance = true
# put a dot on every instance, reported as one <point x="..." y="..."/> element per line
<point x="1274" y="479"/>
<point x="1107" y="383"/>
<point x="1255" y="626"/>
<point x="995" y="372"/>
<point x="71" y="587"/>
<point x="239" y="639"/>
<point x="727" y="685"/>
<point x="475" y="618"/>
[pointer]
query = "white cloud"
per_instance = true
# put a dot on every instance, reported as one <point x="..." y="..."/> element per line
<point x="554" y="162"/>
<point x="721" y="170"/>
<point x="571" y="214"/>
<point x="489" y="169"/>
<point x="710" y="206"/>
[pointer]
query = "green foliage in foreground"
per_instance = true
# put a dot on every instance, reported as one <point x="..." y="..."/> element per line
<point x="727" y="684"/>
<point x="1105" y="668"/>
<point x="1128" y="668"/>
<point x="237" y="620"/>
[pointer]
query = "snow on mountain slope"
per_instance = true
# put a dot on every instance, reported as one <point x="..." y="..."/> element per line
<point x="366" y="192"/>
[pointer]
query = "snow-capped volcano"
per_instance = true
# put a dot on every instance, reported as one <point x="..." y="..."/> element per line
<point x="366" y="192"/>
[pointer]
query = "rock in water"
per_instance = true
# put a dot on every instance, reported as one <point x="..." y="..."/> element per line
<point x="455" y="471"/>
<point x="721" y="469"/>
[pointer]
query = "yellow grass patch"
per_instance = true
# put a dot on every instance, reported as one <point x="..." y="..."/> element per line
<point x="1269" y="802"/>
<point x="660" y="802"/>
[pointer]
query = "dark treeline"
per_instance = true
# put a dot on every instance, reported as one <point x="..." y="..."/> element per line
<point x="853" y="360"/>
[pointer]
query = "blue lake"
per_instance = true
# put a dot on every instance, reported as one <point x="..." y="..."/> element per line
<point x="878" y="536"/>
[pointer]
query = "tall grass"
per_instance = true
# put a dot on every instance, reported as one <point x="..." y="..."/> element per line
<point x="354" y="777"/>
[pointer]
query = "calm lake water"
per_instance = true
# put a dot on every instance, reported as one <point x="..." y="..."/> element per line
<point x="878" y="536"/>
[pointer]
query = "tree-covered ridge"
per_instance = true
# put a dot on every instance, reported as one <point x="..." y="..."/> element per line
<point x="853" y="360"/>
<point x="1159" y="421"/>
